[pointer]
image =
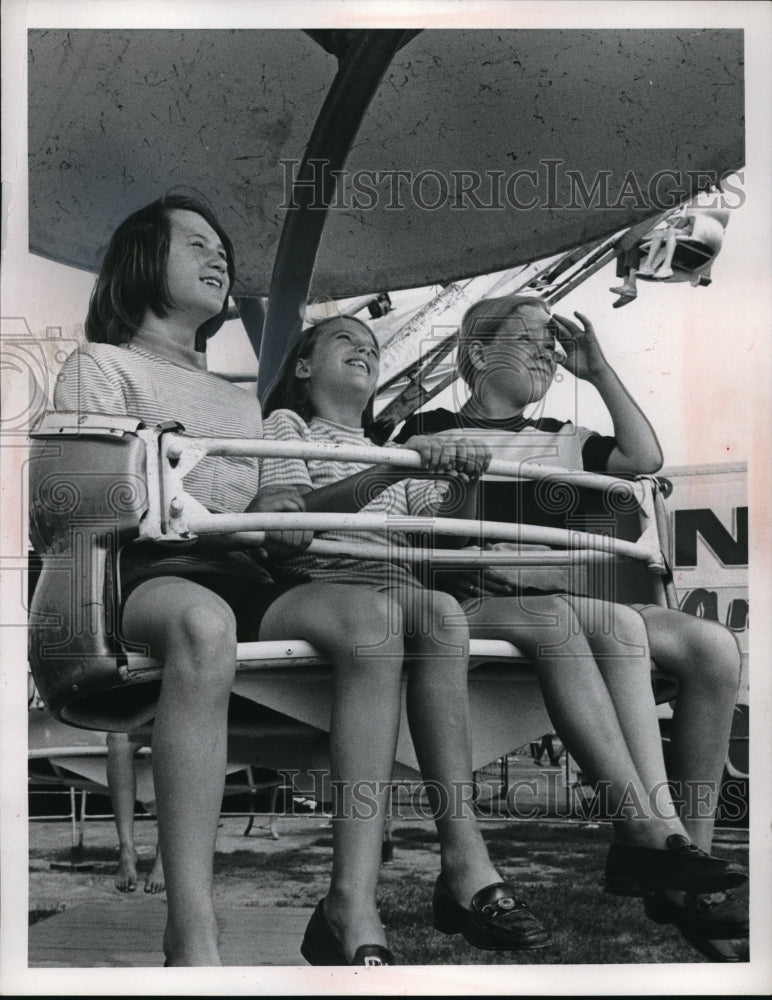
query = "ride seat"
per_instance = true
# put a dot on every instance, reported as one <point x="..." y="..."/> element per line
<point x="88" y="497"/>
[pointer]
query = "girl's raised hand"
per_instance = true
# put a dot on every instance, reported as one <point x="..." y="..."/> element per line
<point x="452" y="457"/>
<point x="584" y="357"/>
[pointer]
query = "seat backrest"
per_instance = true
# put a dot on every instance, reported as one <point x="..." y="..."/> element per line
<point x="87" y="495"/>
<point x="553" y="503"/>
<point x="623" y="581"/>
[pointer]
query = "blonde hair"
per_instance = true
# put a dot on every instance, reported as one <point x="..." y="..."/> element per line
<point x="482" y="321"/>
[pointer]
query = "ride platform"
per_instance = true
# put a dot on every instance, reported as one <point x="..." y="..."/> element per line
<point x="127" y="932"/>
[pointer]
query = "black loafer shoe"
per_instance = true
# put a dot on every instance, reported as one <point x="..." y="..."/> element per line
<point x="715" y="915"/>
<point x="718" y="949"/>
<point x="498" y="921"/>
<point x="716" y="925"/>
<point x="635" y="871"/>
<point x="321" y="945"/>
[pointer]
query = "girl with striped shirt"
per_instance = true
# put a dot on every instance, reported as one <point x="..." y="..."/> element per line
<point x="324" y="392"/>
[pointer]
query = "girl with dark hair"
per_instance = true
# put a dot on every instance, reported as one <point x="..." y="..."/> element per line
<point x="133" y="277"/>
<point x="324" y="391"/>
<point x="162" y="291"/>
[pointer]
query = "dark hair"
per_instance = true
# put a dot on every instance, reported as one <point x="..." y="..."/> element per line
<point x="291" y="392"/>
<point x="133" y="275"/>
<point x="483" y="321"/>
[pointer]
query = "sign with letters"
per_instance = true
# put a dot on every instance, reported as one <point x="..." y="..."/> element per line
<point x="708" y="509"/>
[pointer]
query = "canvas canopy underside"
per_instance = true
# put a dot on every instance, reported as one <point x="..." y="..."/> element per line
<point x="117" y="117"/>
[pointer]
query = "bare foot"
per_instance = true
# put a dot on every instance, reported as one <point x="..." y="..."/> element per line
<point x="127" y="870"/>
<point x="155" y="880"/>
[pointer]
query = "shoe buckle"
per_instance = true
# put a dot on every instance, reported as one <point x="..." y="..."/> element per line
<point x="505" y="903"/>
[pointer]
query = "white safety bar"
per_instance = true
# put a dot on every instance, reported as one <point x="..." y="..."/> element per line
<point x="186" y="452"/>
<point x="175" y="515"/>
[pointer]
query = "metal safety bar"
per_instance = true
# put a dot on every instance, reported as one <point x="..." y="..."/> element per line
<point x="175" y="515"/>
<point x="184" y="452"/>
<point x="99" y="483"/>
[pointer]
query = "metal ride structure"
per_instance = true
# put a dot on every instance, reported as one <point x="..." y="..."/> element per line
<point x="134" y="489"/>
<point x="116" y="118"/>
<point x="434" y="370"/>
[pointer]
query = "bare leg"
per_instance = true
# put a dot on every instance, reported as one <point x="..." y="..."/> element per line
<point x="121" y="781"/>
<point x="619" y="644"/>
<point x="194" y="633"/>
<point x="438" y="712"/>
<point x="360" y="631"/>
<point x="655" y="245"/>
<point x="705" y="659"/>
<point x="664" y="270"/>
<point x="581" y="706"/>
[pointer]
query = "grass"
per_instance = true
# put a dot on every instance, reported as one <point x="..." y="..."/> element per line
<point x="557" y="869"/>
<point x="558" y="872"/>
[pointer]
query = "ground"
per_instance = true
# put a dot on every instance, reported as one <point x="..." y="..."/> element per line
<point x="556" y="865"/>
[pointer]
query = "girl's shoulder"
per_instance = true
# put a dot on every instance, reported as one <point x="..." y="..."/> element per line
<point x="104" y="359"/>
<point x="104" y="350"/>
<point x="111" y="358"/>
<point x="282" y="423"/>
<point x="97" y="352"/>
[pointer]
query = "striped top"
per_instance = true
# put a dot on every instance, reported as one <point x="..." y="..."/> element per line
<point x="156" y="380"/>
<point x="407" y="497"/>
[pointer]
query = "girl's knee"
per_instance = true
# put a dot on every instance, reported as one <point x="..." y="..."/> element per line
<point x="209" y="629"/>
<point x="558" y="625"/>
<point x="561" y="612"/>
<point x="201" y="643"/>
<point x="696" y="650"/>
<point x="367" y="621"/>
<point x="613" y="624"/>
<point x="714" y="650"/>
<point x="445" y="622"/>
<point x="628" y="625"/>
